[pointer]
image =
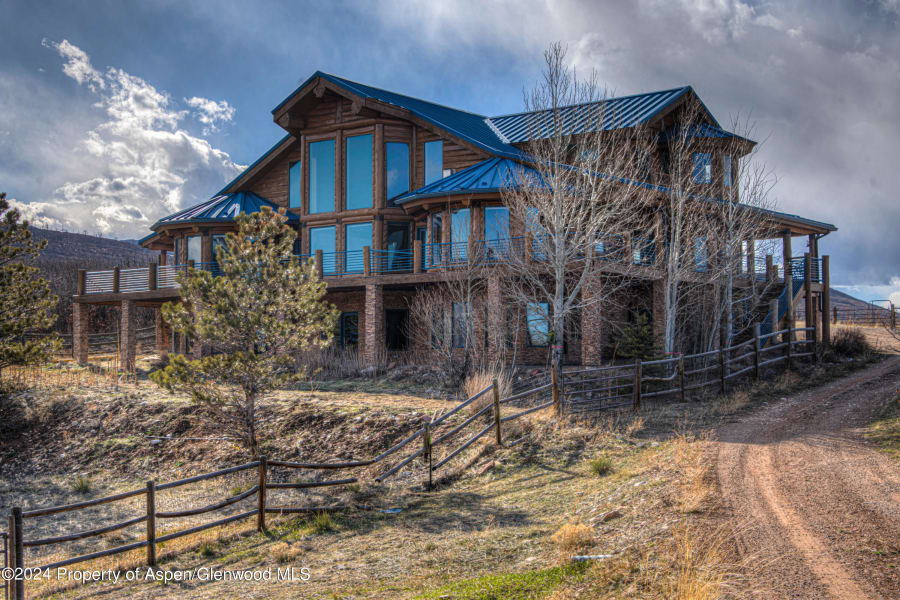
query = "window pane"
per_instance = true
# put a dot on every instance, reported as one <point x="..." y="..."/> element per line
<point x="435" y="252"/>
<point x="538" y="323"/>
<point x="356" y="236"/>
<point x="321" y="176"/>
<point x="726" y="170"/>
<point x="294" y="180"/>
<point x="359" y="171"/>
<point x="397" y="166"/>
<point x="702" y="167"/>
<point x="434" y="161"/>
<point x="397" y="245"/>
<point x="217" y="242"/>
<point x="322" y="238"/>
<point x="194" y="246"/>
<point x="496" y="223"/>
<point x="462" y="316"/>
<point x="460" y="226"/>
<point x="397" y="329"/>
<point x="179" y="259"/>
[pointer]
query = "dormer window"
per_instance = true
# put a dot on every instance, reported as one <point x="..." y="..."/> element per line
<point x="702" y="167"/>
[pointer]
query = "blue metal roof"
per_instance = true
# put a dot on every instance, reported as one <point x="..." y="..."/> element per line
<point x="490" y="175"/>
<point x="468" y="126"/>
<point x="223" y="208"/>
<point x="612" y="113"/>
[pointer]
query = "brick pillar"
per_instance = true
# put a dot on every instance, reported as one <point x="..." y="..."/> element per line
<point x="591" y="326"/>
<point x="80" y="322"/>
<point x="496" y="324"/>
<point x="374" y="342"/>
<point x="162" y="334"/>
<point x="128" y="337"/>
<point x="659" y="310"/>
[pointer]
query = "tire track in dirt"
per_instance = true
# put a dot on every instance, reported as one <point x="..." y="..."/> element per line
<point x="822" y="502"/>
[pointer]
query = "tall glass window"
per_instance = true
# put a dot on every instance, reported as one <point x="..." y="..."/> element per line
<point x="460" y="226"/>
<point x="434" y="161"/>
<point x="194" y="248"/>
<point x="397" y="167"/>
<point x="435" y="253"/>
<point x="726" y="170"/>
<point x="322" y="238"/>
<point x="218" y="241"/>
<point x="321" y="176"/>
<point x="496" y="231"/>
<point x="398" y="242"/>
<point x="295" y="179"/>
<point x="702" y="167"/>
<point x="359" y="171"/>
<point x="349" y="326"/>
<point x="538" y="323"/>
<point x="356" y="236"/>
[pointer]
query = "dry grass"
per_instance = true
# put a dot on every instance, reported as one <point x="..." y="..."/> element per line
<point x="695" y="485"/>
<point x="572" y="538"/>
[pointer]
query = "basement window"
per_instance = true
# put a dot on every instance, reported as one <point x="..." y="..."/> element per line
<point x="349" y="330"/>
<point x="537" y="318"/>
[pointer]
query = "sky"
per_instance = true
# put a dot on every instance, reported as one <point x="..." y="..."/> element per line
<point x="113" y="114"/>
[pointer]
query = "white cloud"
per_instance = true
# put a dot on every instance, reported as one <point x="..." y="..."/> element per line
<point x="146" y="164"/>
<point x="209" y="112"/>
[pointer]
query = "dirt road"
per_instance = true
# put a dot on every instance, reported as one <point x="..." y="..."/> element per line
<point x="821" y="507"/>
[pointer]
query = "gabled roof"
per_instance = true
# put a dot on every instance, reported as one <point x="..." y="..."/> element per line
<point x="470" y="127"/>
<point x="603" y="115"/>
<point x="222" y="208"/>
<point x="489" y="176"/>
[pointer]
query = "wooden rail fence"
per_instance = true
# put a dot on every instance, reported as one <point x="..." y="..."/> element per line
<point x="575" y="392"/>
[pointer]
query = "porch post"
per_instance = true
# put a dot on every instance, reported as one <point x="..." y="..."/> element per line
<point x="826" y="302"/>
<point x="374" y="341"/>
<point x="128" y="341"/>
<point x="788" y="282"/>
<point x="80" y="320"/>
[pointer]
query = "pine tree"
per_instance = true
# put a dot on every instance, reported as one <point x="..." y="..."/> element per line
<point x="26" y="304"/>
<point x="251" y="322"/>
<point x="637" y="340"/>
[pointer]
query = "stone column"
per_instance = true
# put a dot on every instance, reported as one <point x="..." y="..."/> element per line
<point x="591" y="326"/>
<point x="80" y="320"/>
<point x="162" y="334"/>
<point x="496" y="324"/>
<point x="128" y="335"/>
<point x="374" y="341"/>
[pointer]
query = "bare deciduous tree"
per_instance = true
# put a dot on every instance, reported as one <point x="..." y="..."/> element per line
<point x="577" y="200"/>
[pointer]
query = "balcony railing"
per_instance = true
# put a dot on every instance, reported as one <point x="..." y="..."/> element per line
<point x="367" y="262"/>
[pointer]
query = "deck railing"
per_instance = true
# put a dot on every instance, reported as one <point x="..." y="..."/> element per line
<point x="354" y="263"/>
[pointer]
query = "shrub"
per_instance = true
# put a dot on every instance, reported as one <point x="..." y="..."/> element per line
<point x="82" y="485"/>
<point x="850" y="342"/>
<point x="284" y="552"/>
<point x="571" y="538"/>
<point x="322" y="523"/>
<point x="637" y="340"/>
<point x="600" y="466"/>
<point x="207" y="550"/>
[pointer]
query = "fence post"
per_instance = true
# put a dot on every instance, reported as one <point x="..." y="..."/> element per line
<point x="367" y="261"/>
<point x="756" y="353"/>
<point x="826" y="301"/>
<point x="636" y="401"/>
<point x="815" y="341"/>
<point x="117" y="278"/>
<point x="835" y="315"/>
<point x="151" y="523"/>
<point x="681" y="375"/>
<point x="722" y="370"/>
<point x="893" y="317"/>
<point x="497" y="412"/>
<point x="426" y="451"/>
<point x="790" y="344"/>
<point x="18" y="584"/>
<point x="10" y="556"/>
<point x="773" y="321"/>
<point x="554" y="378"/>
<point x="261" y="495"/>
